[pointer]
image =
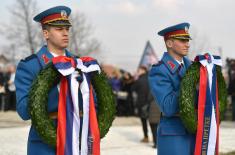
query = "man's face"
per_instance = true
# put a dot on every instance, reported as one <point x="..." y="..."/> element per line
<point x="11" y="69"/>
<point x="140" y="71"/>
<point x="179" y="46"/>
<point x="57" y="36"/>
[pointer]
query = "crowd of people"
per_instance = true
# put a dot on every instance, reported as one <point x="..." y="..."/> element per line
<point x="231" y="84"/>
<point x="133" y="98"/>
<point x="7" y="88"/>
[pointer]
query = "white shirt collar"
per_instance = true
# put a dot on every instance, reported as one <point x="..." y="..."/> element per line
<point x="56" y="55"/>
<point x="180" y="62"/>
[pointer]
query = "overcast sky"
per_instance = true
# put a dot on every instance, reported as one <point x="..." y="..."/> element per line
<point x="124" y="26"/>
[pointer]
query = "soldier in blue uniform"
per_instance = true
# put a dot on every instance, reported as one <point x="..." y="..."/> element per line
<point x="164" y="80"/>
<point x="55" y="26"/>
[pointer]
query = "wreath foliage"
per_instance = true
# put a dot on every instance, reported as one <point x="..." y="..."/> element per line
<point x="38" y="99"/>
<point x="188" y="94"/>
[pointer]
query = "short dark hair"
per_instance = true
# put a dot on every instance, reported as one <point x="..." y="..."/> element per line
<point x="45" y="27"/>
<point x="48" y="26"/>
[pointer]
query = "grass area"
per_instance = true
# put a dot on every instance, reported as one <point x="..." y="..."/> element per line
<point x="230" y="153"/>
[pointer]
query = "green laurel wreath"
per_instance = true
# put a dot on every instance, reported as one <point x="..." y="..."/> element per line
<point x="38" y="98"/>
<point x="188" y="93"/>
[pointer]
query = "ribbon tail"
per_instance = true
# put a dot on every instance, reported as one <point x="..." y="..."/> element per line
<point x="217" y="118"/>
<point x="61" y="127"/>
<point x="201" y="109"/>
<point x="95" y="133"/>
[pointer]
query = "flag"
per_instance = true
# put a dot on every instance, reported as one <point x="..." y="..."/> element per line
<point x="149" y="56"/>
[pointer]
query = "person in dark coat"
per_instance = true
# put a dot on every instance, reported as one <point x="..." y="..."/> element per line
<point x="142" y="90"/>
<point x="2" y="90"/>
<point x="154" y="118"/>
<point x="231" y="85"/>
<point x="11" y="90"/>
<point x="125" y="101"/>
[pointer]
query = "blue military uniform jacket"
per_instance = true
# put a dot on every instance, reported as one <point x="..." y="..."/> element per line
<point x="164" y="80"/>
<point x="26" y="72"/>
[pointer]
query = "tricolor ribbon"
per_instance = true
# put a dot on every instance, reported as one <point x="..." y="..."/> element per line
<point x="77" y="133"/>
<point x="207" y="137"/>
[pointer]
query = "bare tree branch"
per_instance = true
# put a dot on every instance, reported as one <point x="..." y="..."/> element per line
<point x="81" y="40"/>
<point x="24" y="35"/>
<point x="22" y="31"/>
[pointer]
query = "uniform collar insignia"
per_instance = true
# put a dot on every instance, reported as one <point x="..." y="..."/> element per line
<point x="172" y="65"/>
<point x="170" y="62"/>
<point x="45" y="58"/>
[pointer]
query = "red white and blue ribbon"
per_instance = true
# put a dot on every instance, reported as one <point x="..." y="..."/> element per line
<point x="207" y="137"/>
<point x="77" y="134"/>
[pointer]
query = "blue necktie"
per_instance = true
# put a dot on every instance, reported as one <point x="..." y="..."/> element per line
<point x="182" y="69"/>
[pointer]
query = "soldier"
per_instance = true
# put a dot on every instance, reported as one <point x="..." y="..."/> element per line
<point x="55" y="28"/>
<point x="164" y="79"/>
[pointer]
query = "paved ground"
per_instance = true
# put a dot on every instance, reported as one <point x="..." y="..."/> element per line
<point x="123" y="138"/>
